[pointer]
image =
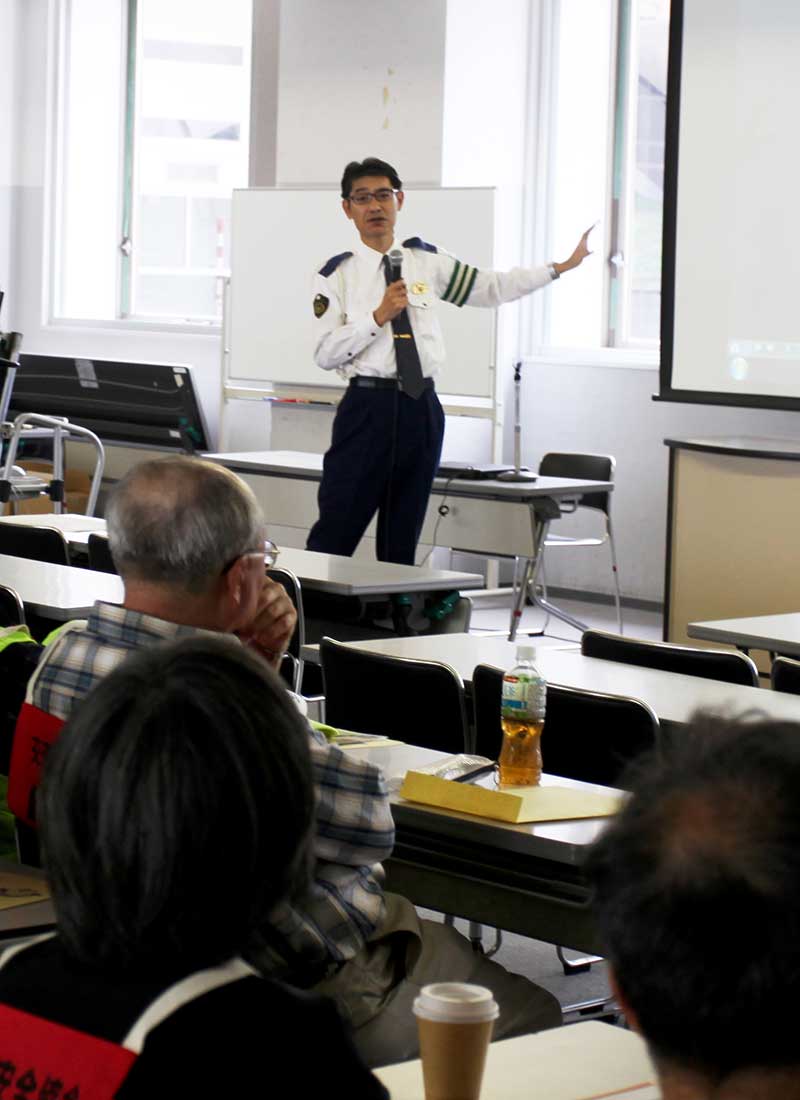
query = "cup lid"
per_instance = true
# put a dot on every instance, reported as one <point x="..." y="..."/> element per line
<point x="456" y="1002"/>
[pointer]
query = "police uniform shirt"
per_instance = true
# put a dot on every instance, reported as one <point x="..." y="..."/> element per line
<point x="350" y="286"/>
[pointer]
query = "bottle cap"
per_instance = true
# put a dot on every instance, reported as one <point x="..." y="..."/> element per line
<point x="526" y="652"/>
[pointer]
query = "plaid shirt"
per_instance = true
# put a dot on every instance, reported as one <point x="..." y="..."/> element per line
<point x="354" y="829"/>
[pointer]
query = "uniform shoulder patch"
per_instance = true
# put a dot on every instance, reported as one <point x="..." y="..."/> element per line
<point x="330" y="265"/>
<point x="321" y="304"/>
<point x="417" y="242"/>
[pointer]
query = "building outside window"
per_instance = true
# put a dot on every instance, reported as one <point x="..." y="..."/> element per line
<point x="606" y="165"/>
<point x="154" y="110"/>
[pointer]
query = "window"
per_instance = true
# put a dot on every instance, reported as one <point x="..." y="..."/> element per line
<point x="154" y="137"/>
<point x="606" y="165"/>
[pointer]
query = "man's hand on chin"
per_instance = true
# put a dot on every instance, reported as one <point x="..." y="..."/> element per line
<point x="273" y="624"/>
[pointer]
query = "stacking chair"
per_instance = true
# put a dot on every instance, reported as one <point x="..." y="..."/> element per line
<point x="785" y="675"/>
<point x="291" y="669"/>
<point x="711" y="664"/>
<point x="100" y="554"/>
<point x="412" y="700"/>
<point x="39" y="543"/>
<point x="12" y="613"/>
<point x="592" y="468"/>
<point x="587" y="735"/>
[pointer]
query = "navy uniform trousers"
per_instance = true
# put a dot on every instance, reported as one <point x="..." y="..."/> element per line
<point x="383" y="456"/>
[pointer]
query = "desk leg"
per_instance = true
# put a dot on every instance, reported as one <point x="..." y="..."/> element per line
<point x="518" y="593"/>
<point x="543" y="510"/>
<point x="556" y="612"/>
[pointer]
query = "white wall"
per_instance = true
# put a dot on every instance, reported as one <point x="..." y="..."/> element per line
<point x="10" y="169"/>
<point x="360" y="80"/>
<point x="610" y="410"/>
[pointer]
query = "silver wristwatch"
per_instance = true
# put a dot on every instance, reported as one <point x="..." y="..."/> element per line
<point x="553" y="273"/>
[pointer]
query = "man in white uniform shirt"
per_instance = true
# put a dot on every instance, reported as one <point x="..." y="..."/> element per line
<point x="379" y="328"/>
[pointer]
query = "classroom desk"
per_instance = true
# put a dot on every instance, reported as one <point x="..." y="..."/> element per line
<point x="495" y="518"/>
<point x="523" y="878"/>
<point x="25" y="920"/>
<point x="75" y="527"/>
<point x="774" y="633"/>
<point x="321" y="572"/>
<point x="587" y="1061"/>
<point x="60" y="592"/>
<point x="673" y="696"/>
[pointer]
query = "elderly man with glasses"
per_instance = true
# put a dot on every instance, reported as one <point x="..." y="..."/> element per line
<point x="188" y="539"/>
<point x="375" y="312"/>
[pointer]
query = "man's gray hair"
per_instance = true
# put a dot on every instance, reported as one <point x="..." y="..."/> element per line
<point x="181" y="521"/>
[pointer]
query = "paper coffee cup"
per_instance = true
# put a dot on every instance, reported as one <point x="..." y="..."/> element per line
<point x="455" y="1022"/>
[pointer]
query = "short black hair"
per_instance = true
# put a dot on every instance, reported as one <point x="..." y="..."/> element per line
<point x="371" y="166"/>
<point x="176" y="808"/>
<point x="697" y="893"/>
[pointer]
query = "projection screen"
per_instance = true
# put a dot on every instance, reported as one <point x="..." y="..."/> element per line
<point x="730" y="313"/>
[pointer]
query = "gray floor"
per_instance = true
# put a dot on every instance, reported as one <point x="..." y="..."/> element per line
<point x="536" y="960"/>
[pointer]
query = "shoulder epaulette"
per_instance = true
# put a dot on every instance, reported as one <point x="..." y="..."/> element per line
<point x="417" y="242"/>
<point x="330" y="265"/>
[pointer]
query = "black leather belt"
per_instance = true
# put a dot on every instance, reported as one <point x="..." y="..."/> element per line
<point x="383" y="383"/>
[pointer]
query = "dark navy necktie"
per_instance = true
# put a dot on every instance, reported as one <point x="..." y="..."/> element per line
<point x="409" y="368"/>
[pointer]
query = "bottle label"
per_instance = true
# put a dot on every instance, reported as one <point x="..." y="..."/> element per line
<point x="523" y="696"/>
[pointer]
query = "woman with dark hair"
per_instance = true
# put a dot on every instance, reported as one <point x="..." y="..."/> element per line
<point x="176" y="813"/>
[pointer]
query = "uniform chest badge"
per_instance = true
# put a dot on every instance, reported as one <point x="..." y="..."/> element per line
<point x="419" y="288"/>
<point x="321" y="303"/>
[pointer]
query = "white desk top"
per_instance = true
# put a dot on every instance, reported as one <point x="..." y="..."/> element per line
<point x="673" y="696"/>
<point x="357" y="577"/>
<point x="582" y="1062"/>
<point x="779" y="633"/>
<point x="68" y="523"/>
<point x="74" y="527"/>
<point x="59" y="592"/>
<point x="308" y="466"/>
<point x="322" y="572"/>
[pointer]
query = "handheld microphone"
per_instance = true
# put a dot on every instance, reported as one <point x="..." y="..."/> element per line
<point x="396" y="264"/>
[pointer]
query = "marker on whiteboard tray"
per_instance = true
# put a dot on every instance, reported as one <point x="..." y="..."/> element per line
<point x="299" y="401"/>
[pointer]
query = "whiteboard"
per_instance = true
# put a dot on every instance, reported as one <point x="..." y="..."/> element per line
<point x="281" y="237"/>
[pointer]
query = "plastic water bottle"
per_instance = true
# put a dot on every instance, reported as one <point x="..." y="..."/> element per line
<point x="522" y="717"/>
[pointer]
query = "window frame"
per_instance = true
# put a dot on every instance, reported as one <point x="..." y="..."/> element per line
<point x="58" y="142"/>
<point x="617" y="347"/>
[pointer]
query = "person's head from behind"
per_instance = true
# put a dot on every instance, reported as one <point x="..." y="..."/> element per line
<point x="697" y="893"/>
<point x="192" y="532"/>
<point x="176" y="808"/>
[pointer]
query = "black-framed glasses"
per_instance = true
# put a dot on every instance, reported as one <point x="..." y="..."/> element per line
<point x="270" y="554"/>
<point x="383" y="195"/>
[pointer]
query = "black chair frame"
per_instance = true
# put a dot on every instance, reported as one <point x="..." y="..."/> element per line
<point x="403" y="697"/>
<point x="727" y="665"/>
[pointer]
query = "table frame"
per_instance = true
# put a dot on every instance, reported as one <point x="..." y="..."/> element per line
<point x="539" y="499"/>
